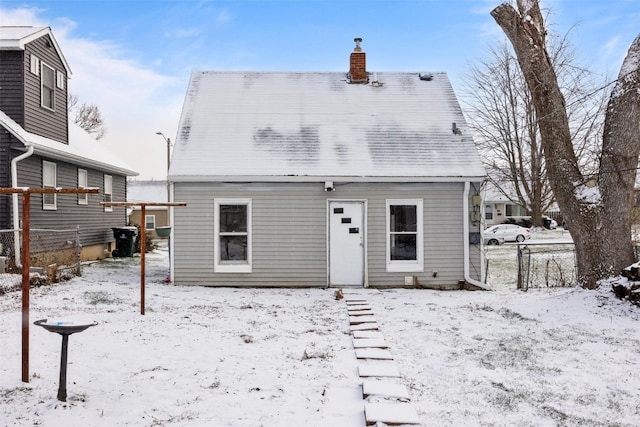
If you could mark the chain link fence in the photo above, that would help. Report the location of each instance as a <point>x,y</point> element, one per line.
<point>530,264</point>
<point>53,254</point>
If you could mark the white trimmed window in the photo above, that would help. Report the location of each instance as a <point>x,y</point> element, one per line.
<point>232,235</point>
<point>48,87</point>
<point>108,192</point>
<point>488,212</point>
<point>83,182</point>
<point>405,235</point>
<point>150,222</point>
<point>49,171</point>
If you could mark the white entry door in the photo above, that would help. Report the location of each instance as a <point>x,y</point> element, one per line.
<point>346,243</point>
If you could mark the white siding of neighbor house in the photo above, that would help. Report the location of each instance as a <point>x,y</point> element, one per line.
<point>289,233</point>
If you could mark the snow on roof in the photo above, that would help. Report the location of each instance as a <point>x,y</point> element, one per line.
<point>309,126</point>
<point>147,191</point>
<point>82,149</point>
<point>16,37</point>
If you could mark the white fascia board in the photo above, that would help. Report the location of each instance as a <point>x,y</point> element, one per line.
<point>19,44</point>
<point>81,161</point>
<point>397,179</point>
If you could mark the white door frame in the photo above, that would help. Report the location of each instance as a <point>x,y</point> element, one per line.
<point>363,202</point>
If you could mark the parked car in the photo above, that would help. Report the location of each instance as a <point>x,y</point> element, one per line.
<point>491,239</point>
<point>549,223</point>
<point>509,232</point>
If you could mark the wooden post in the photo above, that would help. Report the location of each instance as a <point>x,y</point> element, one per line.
<point>143,248</point>
<point>26,254</point>
<point>143,238</point>
<point>26,211</point>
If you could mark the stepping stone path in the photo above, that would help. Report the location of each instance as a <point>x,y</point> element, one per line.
<point>386,399</point>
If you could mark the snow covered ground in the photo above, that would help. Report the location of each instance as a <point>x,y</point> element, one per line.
<point>284,357</point>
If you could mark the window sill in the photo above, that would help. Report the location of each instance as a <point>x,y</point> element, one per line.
<point>232,268</point>
<point>405,268</point>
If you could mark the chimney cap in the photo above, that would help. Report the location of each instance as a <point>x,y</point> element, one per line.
<point>358,40</point>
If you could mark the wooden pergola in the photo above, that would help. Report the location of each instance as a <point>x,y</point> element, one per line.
<point>142,206</point>
<point>25,256</point>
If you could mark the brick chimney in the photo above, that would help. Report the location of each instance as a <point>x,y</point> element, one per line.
<point>358,64</point>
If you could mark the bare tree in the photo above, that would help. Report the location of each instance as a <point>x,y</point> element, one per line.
<point>505,123</point>
<point>87,116</point>
<point>597,207</point>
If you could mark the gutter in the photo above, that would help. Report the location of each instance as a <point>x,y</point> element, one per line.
<point>15,210</point>
<point>465,230</point>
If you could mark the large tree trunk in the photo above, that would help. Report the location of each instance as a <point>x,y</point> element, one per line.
<point>597,209</point>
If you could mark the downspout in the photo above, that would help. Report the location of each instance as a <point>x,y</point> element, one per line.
<point>465,228</point>
<point>15,210</point>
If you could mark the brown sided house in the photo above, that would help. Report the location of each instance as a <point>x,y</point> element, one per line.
<point>325,179</point>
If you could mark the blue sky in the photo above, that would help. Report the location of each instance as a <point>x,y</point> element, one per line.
<point>133,58</point>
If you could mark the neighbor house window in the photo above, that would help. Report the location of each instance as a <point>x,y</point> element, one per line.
<point>108,192</point>
<point>404,236</point>
<point>83,182</point>
<point>488,211</point>
<point>49,200</point>
<point>515,210</point>
<point>232,235</point>
<point>150,222</point>
<point>48,88</point>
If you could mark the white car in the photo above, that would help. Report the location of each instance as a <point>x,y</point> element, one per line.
<point>509,232</point>
<point>492,240</point>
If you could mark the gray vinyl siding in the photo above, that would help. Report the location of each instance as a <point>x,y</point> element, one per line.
<point>5,178</point>
<point>11,84</point>
<point>289,233</point>
<point>37,119</point>
<point>95,224</point>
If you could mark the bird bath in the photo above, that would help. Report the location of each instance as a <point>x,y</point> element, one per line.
<point>64,328</point>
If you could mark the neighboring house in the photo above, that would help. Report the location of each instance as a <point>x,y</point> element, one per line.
<point>148,191</point>
<point>499,205</point>
<point>41,147</point>
<point>325,179</point>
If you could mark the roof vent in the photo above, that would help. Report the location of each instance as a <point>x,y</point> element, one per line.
<point>426,76</point>
<point>376,82</point>
<point>455,129</point>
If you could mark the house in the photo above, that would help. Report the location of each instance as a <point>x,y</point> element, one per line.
<point>148,191</point>
<point>499,205</point>
<point>325,179</point>
<point>41,147</point>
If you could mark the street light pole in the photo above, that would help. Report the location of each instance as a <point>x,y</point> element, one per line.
<point>168,141</point>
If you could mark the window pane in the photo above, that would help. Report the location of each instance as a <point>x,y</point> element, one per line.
<point>233,218</point>
<point>403,247</point>
<point>48,84</point>
<point>233,248</point>
<point>403,218</point>
<point>47,76</point>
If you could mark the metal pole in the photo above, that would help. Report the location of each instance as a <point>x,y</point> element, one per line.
<point>62,387</point>
<point>143,249</point>
<point>26,229</point>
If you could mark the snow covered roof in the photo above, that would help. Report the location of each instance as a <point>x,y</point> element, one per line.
<point>147,191</point>
<point>82,149</point>
<point>307,126</point>
<point>16,38</point>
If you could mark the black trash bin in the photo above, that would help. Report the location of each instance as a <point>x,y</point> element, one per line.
<point>125,241</point>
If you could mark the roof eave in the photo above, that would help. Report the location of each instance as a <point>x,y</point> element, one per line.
<point>304,179</point>
<point>82,161</point>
